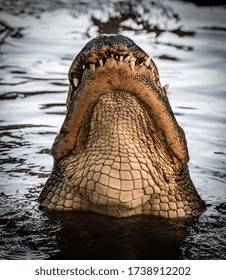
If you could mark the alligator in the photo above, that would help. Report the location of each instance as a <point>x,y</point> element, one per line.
<point>120,151</point>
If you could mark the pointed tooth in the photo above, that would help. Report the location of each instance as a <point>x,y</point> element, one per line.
<point>75,82</point>
<point>166,88</point>
<point>141,64</point>
<point>153,73</point>
<point>83,66</point>
<point>101,62</point>
<point>127,59</point>
<point>132,64</point>
<point>92,66</point>
<point>116,57</point>
<point>112,56</point>
<point>121,58</point>
<point>148,61</point>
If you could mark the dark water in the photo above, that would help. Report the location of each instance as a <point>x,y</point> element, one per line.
<point>38,40</point>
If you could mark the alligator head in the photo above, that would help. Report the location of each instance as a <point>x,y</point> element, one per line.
<point>120,151</point>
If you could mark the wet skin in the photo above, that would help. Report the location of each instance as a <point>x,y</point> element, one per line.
<point>120,151</point>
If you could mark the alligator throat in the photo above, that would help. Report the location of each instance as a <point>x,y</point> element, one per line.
<point>120,151</point>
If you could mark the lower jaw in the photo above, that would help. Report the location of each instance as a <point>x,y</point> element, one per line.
<point>118,211</point>
<point>121,212</point>
<point>127,209</point>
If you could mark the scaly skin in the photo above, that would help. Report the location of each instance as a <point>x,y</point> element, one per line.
<point>120,151</point>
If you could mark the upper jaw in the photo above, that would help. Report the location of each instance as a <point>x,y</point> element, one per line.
<point>117,49</point>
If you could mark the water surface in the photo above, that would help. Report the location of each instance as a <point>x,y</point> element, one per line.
<point>38,40</point>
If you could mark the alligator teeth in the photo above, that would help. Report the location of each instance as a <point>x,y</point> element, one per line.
<point>166,88</point>
<point>75,82</point>
<point>101,62</point>
<point>148,61</point>
<point>121,59</point>
<point>132,63</point>
<point>127,59</point>
<point>92,66</point>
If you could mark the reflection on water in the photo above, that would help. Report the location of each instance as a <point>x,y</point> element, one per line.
<point>187,42</point>
<point>132,238</point>
<point>28,233</point>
